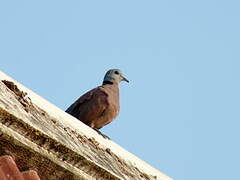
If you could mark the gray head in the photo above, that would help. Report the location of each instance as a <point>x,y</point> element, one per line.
<point>114,76</point>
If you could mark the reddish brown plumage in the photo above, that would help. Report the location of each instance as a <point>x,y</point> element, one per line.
<point>97,107</point>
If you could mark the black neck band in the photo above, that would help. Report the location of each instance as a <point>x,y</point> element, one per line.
<point>107,82</point>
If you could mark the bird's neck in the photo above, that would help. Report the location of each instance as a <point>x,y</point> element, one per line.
<point>107,82</point>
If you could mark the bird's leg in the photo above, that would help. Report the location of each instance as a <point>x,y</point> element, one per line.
<point>103,135</point>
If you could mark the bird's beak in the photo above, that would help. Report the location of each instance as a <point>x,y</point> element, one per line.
<point>125,79</point>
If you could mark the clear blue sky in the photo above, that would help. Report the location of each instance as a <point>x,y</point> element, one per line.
<point>181,110</point>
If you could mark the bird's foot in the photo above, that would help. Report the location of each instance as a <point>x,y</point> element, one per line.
<point>103,135</point>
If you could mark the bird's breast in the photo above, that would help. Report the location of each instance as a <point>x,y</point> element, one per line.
<point>113,106</point>
<point>112,109</point>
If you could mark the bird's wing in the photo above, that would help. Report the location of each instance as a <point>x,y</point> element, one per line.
<point>90,105</point>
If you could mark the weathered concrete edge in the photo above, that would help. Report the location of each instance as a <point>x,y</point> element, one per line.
<point>31,123</point>
<point>67,121</point>
<point>21,134</point>
<point>18,140</point>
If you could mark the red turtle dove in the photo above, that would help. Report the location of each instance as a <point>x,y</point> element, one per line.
<point>99,106</point>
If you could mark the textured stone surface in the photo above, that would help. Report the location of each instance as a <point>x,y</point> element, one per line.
<point>40,136</point>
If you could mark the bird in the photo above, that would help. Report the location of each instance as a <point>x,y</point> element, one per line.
<point>99,106</point>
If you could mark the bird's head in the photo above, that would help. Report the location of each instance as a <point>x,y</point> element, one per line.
<point>114,76</point>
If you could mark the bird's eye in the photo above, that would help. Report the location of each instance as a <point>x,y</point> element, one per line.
<point>116,72</point>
